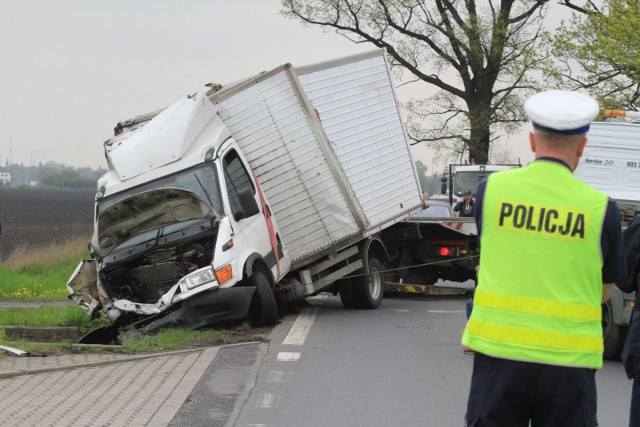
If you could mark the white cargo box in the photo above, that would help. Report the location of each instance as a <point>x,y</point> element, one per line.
<point>355,100</point>
<point>329,180</point>
<point>611,160</point>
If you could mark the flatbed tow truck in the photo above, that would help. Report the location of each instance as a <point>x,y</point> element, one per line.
<point>431,249</point>
<point>443,248</point>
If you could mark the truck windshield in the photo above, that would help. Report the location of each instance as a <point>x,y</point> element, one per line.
<point>468,180</point>
<point>201,180</point>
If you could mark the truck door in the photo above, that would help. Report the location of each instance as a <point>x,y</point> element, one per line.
<point>256,233</point>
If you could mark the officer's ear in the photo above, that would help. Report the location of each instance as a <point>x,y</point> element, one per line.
<point>532,142</point>
<point>580,147</point>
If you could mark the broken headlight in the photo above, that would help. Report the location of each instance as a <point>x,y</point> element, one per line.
<point>198,278</point>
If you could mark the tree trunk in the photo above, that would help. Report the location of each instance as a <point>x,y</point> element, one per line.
<point>480,133</point>
<point>479,150</point>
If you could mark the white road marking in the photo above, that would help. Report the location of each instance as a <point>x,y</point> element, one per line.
<point>301,327</point>
<point>399,310</point>
<point>279,377</point>
<point>285,356</point>
<point>267,400</point>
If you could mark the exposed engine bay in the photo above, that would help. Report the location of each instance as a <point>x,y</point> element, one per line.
<point>145,280</point>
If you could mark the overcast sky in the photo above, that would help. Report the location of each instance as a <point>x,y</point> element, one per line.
<point>71,70</point>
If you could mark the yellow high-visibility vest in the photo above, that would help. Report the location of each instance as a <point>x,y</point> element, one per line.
<point>539,289</point>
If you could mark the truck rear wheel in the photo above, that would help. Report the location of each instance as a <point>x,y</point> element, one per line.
<point>264,309</point>
<point>345,288</point>
<point>369,289</point>
<point>613,335</point>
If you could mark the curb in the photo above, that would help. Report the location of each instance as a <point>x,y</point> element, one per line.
<point>41,333</point>
<point>134,357</point>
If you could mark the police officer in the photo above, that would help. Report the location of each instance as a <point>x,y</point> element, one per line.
<point>466,206</point>
<point>550,253</point>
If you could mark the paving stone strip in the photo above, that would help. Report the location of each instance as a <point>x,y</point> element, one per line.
<point>99,389</point>
<point>11,366</point>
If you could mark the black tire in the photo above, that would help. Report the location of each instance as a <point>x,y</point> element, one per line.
<point>264,308</point>
<point>368,289</point>
<point>345,288</point>
<point>613,335</point>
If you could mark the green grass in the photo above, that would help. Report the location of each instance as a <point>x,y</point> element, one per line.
<point>41,273</point>
<point>167,340</point>
<point>36,283</point>
<point>172,339</point>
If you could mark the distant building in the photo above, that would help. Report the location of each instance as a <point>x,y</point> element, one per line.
<point>5,176</point>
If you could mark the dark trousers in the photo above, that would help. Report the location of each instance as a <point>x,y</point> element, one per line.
<point>634,416</point>
<point>507,393</point>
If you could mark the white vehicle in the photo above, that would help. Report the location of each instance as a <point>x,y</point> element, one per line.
<point>611,163</point>
<point>467,177</point>
<point>234,201</point>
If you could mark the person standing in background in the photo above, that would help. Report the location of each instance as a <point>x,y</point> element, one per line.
<point>466,207</point>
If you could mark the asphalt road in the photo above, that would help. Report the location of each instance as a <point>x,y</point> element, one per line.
<point>400,365</point>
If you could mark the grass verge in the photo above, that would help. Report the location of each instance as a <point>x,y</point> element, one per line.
<point>41,273</point>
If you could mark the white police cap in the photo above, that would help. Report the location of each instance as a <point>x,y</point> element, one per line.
<point>561,111</point>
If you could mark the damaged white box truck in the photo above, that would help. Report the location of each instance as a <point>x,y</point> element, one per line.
<point>233,202</point>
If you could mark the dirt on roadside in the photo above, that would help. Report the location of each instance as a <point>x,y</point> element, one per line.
<point>259,334</point>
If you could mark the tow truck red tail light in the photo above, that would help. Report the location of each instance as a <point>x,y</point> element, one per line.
<point>445,251</point>
<point>449,248</point>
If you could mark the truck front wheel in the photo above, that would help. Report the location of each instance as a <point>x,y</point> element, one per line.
<point>369,289</point>
<point>613,335</point>
<point>264,309</point>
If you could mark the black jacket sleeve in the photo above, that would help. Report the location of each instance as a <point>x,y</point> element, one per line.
<point>631,242</point>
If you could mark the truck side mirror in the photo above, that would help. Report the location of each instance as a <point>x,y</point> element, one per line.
<point>443,186</point>
<point>249,206</point>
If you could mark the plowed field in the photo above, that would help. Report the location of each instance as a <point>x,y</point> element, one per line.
<point>36,216</point>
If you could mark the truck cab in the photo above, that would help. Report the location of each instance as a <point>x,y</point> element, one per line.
<point>179,218</point>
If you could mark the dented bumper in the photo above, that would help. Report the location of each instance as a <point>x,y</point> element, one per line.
<point>203,309</point>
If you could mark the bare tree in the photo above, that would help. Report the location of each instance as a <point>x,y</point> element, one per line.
<point>477,54</point>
